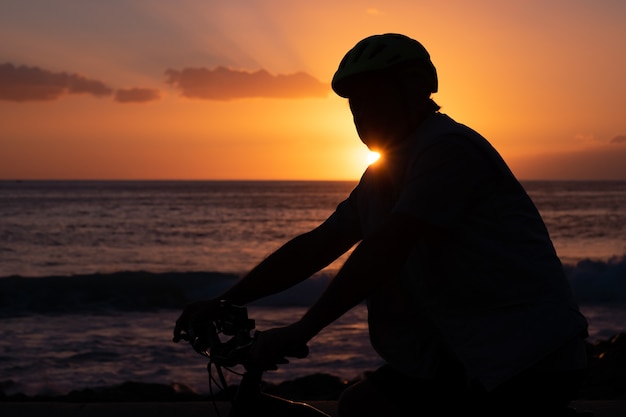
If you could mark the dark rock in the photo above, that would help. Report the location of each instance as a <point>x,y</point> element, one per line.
<point>316,387</point>
<point>126,392</point>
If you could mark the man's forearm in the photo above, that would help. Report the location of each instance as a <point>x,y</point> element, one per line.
<point>291,264</point>
<point>274,274</point>
<point>377,260</point>
<point>372,264</point>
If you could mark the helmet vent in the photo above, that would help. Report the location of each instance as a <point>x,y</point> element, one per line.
<point>376,51</point>
<point>357,54</point>
<point>394,58</point>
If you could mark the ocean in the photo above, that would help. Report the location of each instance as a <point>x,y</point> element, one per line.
<point>93,274</point>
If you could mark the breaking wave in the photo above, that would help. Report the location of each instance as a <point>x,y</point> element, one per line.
<point>593,282</point>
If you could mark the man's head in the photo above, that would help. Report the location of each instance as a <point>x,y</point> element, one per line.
<point>386,55</point>
<point>388,80</point>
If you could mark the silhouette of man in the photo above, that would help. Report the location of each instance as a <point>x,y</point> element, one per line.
<point>468,303</point>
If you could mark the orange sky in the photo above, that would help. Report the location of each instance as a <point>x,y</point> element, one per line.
<point>122,89</point>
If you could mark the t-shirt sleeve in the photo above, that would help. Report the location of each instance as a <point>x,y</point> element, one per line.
<point>345,218</point>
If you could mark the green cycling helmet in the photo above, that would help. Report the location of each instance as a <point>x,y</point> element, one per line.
<point>378,53</point>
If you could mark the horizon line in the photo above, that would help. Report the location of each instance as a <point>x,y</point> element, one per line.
<point>266,179</point>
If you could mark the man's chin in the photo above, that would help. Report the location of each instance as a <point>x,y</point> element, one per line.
<point>373,141</point>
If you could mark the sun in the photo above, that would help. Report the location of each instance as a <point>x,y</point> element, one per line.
<point>372,157</point>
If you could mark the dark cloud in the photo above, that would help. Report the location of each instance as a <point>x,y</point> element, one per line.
<point>35,84</point>
<point>619,139</point>
<point>136,95</point>
<point>226,84</point>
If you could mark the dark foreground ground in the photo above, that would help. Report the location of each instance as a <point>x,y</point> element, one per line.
<point>207,409</point>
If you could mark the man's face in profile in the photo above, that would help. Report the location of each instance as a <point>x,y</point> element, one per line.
<point>379,110</point>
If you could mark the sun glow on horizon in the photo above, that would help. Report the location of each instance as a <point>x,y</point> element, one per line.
<point>372,157</point>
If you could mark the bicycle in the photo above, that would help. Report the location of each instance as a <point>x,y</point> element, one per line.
<point>249,399</point>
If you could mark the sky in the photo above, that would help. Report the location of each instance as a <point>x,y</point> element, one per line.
<point>213,89</point>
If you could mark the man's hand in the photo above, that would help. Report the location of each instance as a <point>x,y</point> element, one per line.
<point>272,347</point>
<point>196,315</point>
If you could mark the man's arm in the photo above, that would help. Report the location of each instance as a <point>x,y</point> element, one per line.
<point>376,260</point>
<point>294,262</point>
<point>291,264</point>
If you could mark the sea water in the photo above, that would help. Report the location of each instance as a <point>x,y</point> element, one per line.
<point>94,273</point>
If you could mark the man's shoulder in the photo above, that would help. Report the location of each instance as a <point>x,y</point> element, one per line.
<point>440,124</point>
<point>443,130</point>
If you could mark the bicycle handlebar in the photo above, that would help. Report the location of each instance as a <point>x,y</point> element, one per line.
<point>232,320</point>
<point>249,400</point>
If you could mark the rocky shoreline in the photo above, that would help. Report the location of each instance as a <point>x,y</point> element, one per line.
<point>606,381</point>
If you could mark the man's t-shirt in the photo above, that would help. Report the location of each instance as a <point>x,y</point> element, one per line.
<point>492,293</point>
